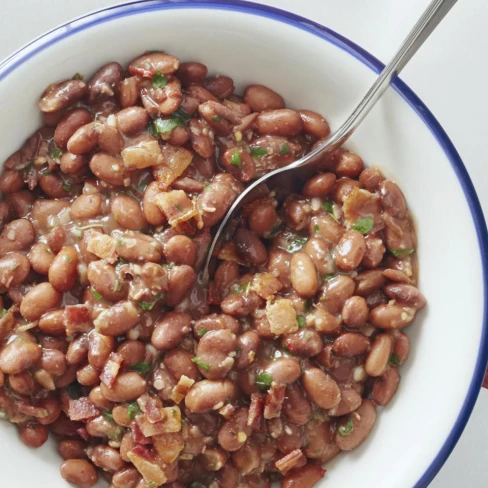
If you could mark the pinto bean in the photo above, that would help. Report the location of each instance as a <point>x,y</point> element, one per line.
<point>84,139</point>
<point>290,439</point>
<point>205,395</point>
<point>60,95</point>
<point>129,91</point>
<point>370,178</point>
<point>260,98</point>
<point>108,169</point>
<point>355,312</point>
<point>296,407</point>
<point>282,122</point>
<point>369,281</point>
<point>63,270</point>
<point>126,478</point>
<point>33,434</point>
<point>132,352</point>
<point>53,361</point>
<point>106,458</point>
<point>385,387</point>
<point>79,473</point>
<point>214,353</point>
<point>319,252</point>
<point>170,330</point>
<point>392,199</point>
<point>52,322</point>
<point>96,397</point>
<point>221,86</point>
<point>105,82</point>
<point>250,247</point>
<point>248,344</point>
<point>39,300</point>
<point>378,357</point>
<point>127,212</point>
<point>305,343</point>
<point>72,449</point>
<point>88,375</point>
<point>319,185</point>
<point>110,140</point>
<point>375,250</point>
<point>118,319</point>
<point>406,295</point>
<point>303,275</point>
<point>304,477</point>
<point>319,442</point>
<point>343,188</point>
<point>325,226</point>
<point>179,362</point>
<point>314,124</point>
<point>263,219</point>
<point>86,206</point>
<point>284,371</point>
<point>99,349</point>
<point>180,250</point>
<point>350,401</point>
<point>18,355</point>
<point>401,346</point>
<point>53,186</point>
<point>22,383</point>
<point>72,163</point>
<point>215,201</point>
<point>247,458</point>
<point>152,212</point>
<point>229,437</point>
<point>11,181</point>
<point>69,124</point>
<point>14,269</point>
<point>192,73</point>
<point>132,120</point>
<point>201,137</point>
<point>137,247</point>
<point>362,424</point>
<point>391,316</point>
<point>294,213</point>
<point>17,235</point>
<point>180,280</point>
<point>349,165</point>
<point>279,263</point>
<point>126,388</point>
<point>350,250</point>
<point>77,350</point>
<point>239,163</point>
<point>20,202</point>
<point>149,64</point>
<point>321,388</point>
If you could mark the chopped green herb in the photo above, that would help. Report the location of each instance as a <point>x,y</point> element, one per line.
<point>98,296</point>
<point>284,149</point>
<point>55,152</point>
<point>395,359</point>
<point>151,129</point>
<point>108,415</point>
<point>345,430</point>
<point>316,228</point>
<point>328,207</point>
<point>329,276</point>
<point>74,390</point>
<point>297,244</point>
<point>133,410</point>
<point>117,286</point>
<point>301,321</point>
<point>77,76</point>
<point>398,253</point>
<point>142,186</point>
<point>217,118</point>
<point>258,152</point>
<point>68,259</point>
<point>4,312</point>
<point>200,363</point>
<point>320,416</point>
<point>147,306</point>
<point>244,287</point>
<point>166,126</point>
<point>182,114</point>
<point>141,368</point>
<point>263,381</point>
<point>159,80</point>
<point>201,332</point>
<point>235,160</point>
<point>67,187</point>
<point>121,260</point>
<point>363,225</point>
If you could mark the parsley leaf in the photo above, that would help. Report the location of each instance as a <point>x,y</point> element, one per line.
<point>108,415</point>
<point>77,76</point>
<point>166,126</point>
<point>151,129</point>
<point>141,368</point>
<point>395,359</point>
<point>97,296</point>
<point>363,225</point>
<point>301,321</point>
<point>217,118</point>
<point>263,381</point>
<point>201,332</point>
<point>258,152</point>
<point>133,410</point>
<point>235,160</point>
<point>284,149</point>
<point>297,244</point>
<point>200,363</point>
<point>329,276</point>
<point>328,207</point>
<point>316,228</point>
<point>148,306</point>
<point>398,253</point>
<point>55,152</point>
<point>182,114</point>
<point>346,429</point>
<point>67,187</point>
<point>159,80</point>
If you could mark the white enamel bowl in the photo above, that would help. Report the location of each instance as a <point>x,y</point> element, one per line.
<point>313,68</point>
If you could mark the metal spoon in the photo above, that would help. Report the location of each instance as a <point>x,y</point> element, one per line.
<point>428,21</point>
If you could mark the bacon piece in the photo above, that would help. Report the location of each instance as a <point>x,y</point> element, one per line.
<point>171,422</point>
<point>256,409</point>
<point>227,411</point>
<point>82,409</point>
<point>77,318</point>
<point>111,369</point>
<point>150,408</point>
<point>145,462</point>
<point>294,459</point>
<point>176,206</point>
<point>169,446</point>
<point>102,246</point>
<point>30,410</point>
<point>274,401</point>
<point>138,436</point>
<point>176,160</point>
<point>266,285</point>
<point>182,388</point>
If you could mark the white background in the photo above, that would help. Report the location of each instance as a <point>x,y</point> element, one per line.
<point>449,74</point>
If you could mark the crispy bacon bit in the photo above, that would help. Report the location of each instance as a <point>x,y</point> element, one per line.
<point>282,316</point>
<point>228,252</point>
<point>30,410</point>
<point>45,379</point>
<point>256,409</point>
<point>143,155</point>
<point>274,401</point>
<point>182,388</point>
<point>176,160</point>
<point>103,246</point>
<point>171,422</point>
<point>169,446</point>
<point>150,408</point>
<point>82,409</point>
<point>137,434</point>
<point>145,462</point>
<point>111,368</point>
<point>294,459</point>
<point>266,285</point>
<point>176,206</point>
<point>360,204</point>
<point>77,318</point>
<point>227,411</point>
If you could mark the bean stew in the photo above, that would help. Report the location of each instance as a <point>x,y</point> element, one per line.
<point>109,341</point>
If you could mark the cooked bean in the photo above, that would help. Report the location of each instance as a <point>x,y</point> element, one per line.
<point>53,361</point>
<point>137,247</point>
<point>126,478</point>
<point>88,375</point>
<point>179,362</point>
<point>33,434</point>
<point>106,458</point>
<point>247,458</point>
<point>303,275</point>
<point>129,91</point>
<point>20,202</point>
<point>192,73</point>
<point>370,178</point>
<point>73,163</point>
<point>391,316</point>
<point>132,120</point>
<point>248,344</point>
<point>109,169</point>
<point>14,268</point>
<point>401,346</point>
<point>304,477</point>
<point>127,212</point>
<point>21,383</point>
<point>39,300</point>
<point>375,250</point>
<point>72,449</point>
<point>54,186</point>
<point>295,214</point>
<point>392,199</point>
<point>69,124</point>
<point>319,185</point>
<point>77,350</point>
<point>221,86</point>
<point>379,356</point>
<point>321,388</point>
<point>343,188</point>
<point>215,201</point>
<point>406,295</point>
<point>86,206</point>
<point>350,250</point>
<point>369,281</point>
<point>215,322</point>
<point>17,235</point>
<point>201,137</point>
<point>127,387</point>
<point>180,250</point>
<point>296,407</point>
<point>320,254</point>
<point>250,247</point>
<point>214,353</point>
<point>239,164</point>
<point>263,219</point>
<point>229,437</point>
<point>284,371</point>
<point>355,312</point>
<point>110,139</point>
<point>170,330</point>
<point>11,181</point>
<point>18,355</point>
<point>327,227</point>
<point>205,395</point>
<point>99,348</point>
<point>283,122</point>
<point>279,263</point>
<point>60,95</point>
<point>349,165</point>
<point>151,63</point>
<point>314,124</point>
<point>305,343</point>
<point>118,319</point>
<point>319,443</point>
<point>362,424</point>
<point>261,98</point>
<point>84,139</point>
<point>132,352</point>
<point>104,82</point>
<point>385,387</point>
<point>152,212</point>
<point>79,473</point>
<point>180,280</point>
<point>63,270</point>
<point>350,401</point>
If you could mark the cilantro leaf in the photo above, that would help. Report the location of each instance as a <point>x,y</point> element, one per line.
<point>133,410</point>
<point>166,126</point>
<point>258,152</point>
<point>398,253</point>
<point>263,381</point>
<point>96,295</point>
<point>395,359</point>
<point>148,306</point>
<point>346,429</point>
<point>301,321</point>
<point>159,80</point>
<point>200,363</point>
<point>235,160</point>
<point>284,149</point>
<point>328,207</point>
<point>141,368</point>
<point>363,225</point>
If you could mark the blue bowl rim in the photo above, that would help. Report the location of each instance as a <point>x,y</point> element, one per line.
<point>130,8</point>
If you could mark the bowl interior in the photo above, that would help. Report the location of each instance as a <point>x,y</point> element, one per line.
<point>315,74</point>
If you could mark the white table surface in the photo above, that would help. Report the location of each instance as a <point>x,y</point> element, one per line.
<point>449,74</point>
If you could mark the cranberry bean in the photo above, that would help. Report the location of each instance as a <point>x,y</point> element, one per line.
<point>72,163</point>
<point>77,350</point>
<point>304,477</point>
<point>248,344</point>
<point>192,73</point>
<point>110,140</point>
<point>86,206</point>
<point>325,226</point>
<point>284,371</point>
<point>79,473</point>
<point>137,247</point>
<point>244,168</point>
<point>14,269</point>
<point>369,281</point>
<point>180,280</point>
<point>303,275</point>
<point>321,388</point>
<point>201,138</point>
<point>296,407</point>
<point>17,235</point>
<point>72,449</point>
<point>215,201</point>
<point>22,383</point>
<point>99,349</point>
<point>127,212</point>
<point>234,432</point>
<point>319,443</point>
<point>263,219</point>
<point>350,401</point>
<point>279,263</point>
<point>319,185</point>
<point>109,169</point>
<point>106,458</point>
<point>261,98</point>
<point>170,330</point>
<point>343,188</point>
<point>53,361</point>
<point>319,252</point>
<point>11,181</point>
<point>378,357</point>
<point>149,64</point>
<point>214,353</point>
<point>392,199</point>
<point>33,434</point>
<point>375,250</point>
<point>283,122</point>
<point>401,346</point>
<point>221,86</point>
<point>355,312</point>
<point>179,362</point>
<point>132,352</point>
<point>406,295</point>
<point>362,424</point>
<point>152,212</point>
<point>20,202</point>
<point>118,319</point>
<point>88,376</point>
<point>60,95</point>
<point>385,387</point>
<point>250,247</point>
<point>129,91</point>
<point>64,269</point>
<point>350,250</point>
<point>84,139</point>
<point>39,300</point>
<point>216,322</point>
<point>206,395</point>
<point>97,398</point>
<point>294,213</point>
<point>180,250</point>
<point>69,124</point>
<point>391,316</point>
<point>127,387</point>
<point>105,82</point>
<point>370,178</point>
<point>305,343</point>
